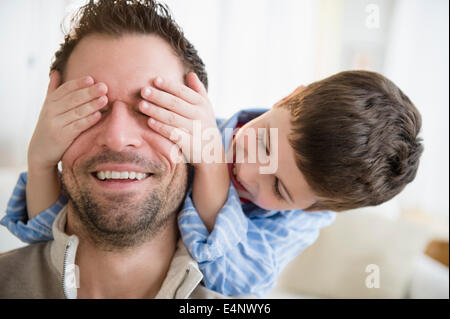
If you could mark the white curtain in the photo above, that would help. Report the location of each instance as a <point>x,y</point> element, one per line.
<point>255,51</point>
<point>29,36</point>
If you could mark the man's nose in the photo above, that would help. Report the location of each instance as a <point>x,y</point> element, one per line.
<point>120,129</point>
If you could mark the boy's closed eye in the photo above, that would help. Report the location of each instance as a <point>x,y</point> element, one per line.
<point>277,183</point>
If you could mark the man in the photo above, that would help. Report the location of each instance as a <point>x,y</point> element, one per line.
<point>123,237</point>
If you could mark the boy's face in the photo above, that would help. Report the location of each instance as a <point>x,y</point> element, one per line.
<point>287,187</point>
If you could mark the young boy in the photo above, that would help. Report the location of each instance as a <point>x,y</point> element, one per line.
<point>344,142</point>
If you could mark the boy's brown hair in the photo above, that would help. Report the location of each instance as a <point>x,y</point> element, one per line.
<point>354,135</point>
<point>120,17</point>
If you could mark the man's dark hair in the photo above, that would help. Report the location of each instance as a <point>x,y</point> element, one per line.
<point>355,138</point>
<point>119,17</point>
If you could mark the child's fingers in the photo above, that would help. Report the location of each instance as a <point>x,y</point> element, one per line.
<point>175,135</point>
<point>178,89</point>
<point>82,96</point>
<point>169,101</point>
<point>166,116</point>
<point>195,84</point>
<point>164,146</point>
<point>74,128</point>
<point>71,86</point>
<point>82,111</point>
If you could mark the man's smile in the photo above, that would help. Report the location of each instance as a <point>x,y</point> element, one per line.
<point>117,175</point>
<point>120,176</point>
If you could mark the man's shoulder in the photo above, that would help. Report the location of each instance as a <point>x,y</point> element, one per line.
<point>27,272</point>
<point>11,258</point>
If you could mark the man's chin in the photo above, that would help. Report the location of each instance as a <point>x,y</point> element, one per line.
<point>118,220</point>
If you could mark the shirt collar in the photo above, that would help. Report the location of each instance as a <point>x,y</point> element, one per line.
<point>183,275</point>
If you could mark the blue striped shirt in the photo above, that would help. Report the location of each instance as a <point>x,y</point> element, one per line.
<point>16,220</point>
<point>244,253</point>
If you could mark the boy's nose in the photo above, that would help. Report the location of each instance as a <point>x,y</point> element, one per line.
<point>120,129</point>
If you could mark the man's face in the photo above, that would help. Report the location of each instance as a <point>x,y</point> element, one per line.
<point>123,212</point>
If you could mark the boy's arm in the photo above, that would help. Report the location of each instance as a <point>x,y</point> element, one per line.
<point>43,189</point>
<point>210,191</point>
<point>16,220</point>
<point>69,109</point>
<point>232,262</point>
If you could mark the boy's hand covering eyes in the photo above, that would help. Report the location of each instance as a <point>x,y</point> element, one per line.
<point>177,112</point>
<point>68,110</point>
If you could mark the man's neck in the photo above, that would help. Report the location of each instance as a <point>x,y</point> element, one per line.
<point>137,272</point>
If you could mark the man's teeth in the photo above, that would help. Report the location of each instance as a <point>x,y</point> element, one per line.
<point>234,171</point>
<point>102,175</point>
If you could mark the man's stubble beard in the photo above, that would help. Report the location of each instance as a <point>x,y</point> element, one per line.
<point>122,224</point>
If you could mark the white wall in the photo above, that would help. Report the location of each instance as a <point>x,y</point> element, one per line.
<point>417,60</point>
<point>256,51</point>
<point>29,36</point>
